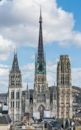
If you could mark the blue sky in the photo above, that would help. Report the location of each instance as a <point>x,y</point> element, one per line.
<point>19,29</point>
<point>74,7</point>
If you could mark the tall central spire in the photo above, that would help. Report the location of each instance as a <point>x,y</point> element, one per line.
<point>40,42</point>
<point>40,66</point>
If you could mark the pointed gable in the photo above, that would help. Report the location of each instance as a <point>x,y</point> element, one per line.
<point>15,65</point>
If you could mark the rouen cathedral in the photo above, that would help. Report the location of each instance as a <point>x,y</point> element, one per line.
<point>56,100</point>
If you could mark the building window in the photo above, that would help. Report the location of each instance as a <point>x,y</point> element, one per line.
<point>17,95</point>
<point>38,88</point>
<point>18,104</point>
<point>12,95</point>
<point>12,104</point>
<point>17,117</point>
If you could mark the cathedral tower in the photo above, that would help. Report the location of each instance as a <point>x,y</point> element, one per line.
<point>41,93</point>
<point>64,88</point>
<point>40,63</point>
<point>15,91</point>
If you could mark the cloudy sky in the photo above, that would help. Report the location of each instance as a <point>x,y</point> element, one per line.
<point>19,29</point>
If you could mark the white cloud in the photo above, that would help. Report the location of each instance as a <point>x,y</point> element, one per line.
<point>3,72</point>
<point>4,76</point>
<point>2,2</point>
<point>77,38</point>
<point>76,76</point>
<point>19,22</point>
<point>51,73</point>
<point>5,47</point>
<point>28,74</point>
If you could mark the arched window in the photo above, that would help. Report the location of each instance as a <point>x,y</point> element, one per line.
<point>41,110</point>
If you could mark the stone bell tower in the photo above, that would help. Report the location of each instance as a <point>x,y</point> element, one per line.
<point>64,88</point>
<point>15,91</point>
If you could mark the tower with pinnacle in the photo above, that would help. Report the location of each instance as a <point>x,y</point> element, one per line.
<point>40,64</point>
<point>64,88</point>
<point>41,97</point>
<point>15,91</point>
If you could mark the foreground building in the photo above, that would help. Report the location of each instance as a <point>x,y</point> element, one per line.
<point>64,88</point>
<point>15,91</point>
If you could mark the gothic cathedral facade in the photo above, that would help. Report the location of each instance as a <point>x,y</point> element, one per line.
<point>56,100</point>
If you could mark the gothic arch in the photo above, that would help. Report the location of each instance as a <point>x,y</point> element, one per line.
<point>41,109</point>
